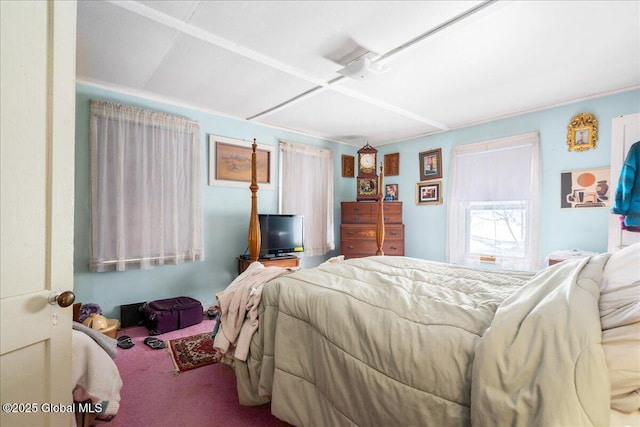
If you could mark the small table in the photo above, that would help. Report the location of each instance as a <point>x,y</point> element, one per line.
<point>280,261</point>
<point>559,256</point>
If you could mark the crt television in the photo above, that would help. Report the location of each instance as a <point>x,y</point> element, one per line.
<point>281,234</point>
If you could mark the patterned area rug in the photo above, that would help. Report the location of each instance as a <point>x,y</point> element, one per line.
<point>192,352</point>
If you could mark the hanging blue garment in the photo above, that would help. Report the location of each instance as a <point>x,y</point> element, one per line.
<point>627,200</point>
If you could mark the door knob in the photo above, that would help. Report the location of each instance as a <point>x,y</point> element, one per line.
<point>63,299</point>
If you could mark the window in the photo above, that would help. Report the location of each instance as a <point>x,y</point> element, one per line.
<point>496,229</point>
<point>493,206</point>
<point>306,188</point>
<point>145,188</point>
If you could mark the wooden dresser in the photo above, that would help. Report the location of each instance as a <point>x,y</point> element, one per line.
<point>358,229</point>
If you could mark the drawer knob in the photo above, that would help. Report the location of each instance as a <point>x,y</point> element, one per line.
<point>351,233</point>
<point>351,247</point>
<point>386,218</point>
<point>356,219</point>
<point>393,233</point>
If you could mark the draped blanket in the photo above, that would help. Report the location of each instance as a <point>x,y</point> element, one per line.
<point>541,362</point>
<point>237,308</point>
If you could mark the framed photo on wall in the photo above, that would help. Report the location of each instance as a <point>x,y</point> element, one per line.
<point>348,166</point>
<point>392,164</point>
<point>582,132</point>
<point>428,193</point>
<point>430,164</point>
<point>230,163</point>
<point>391,192</point>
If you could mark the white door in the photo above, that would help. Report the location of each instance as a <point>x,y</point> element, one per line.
<point>625,130</point>
<point>37,112</point>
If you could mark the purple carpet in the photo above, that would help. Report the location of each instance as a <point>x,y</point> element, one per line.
<point>153,394</point>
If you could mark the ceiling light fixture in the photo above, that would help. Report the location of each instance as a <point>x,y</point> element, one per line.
<point>363,67</point>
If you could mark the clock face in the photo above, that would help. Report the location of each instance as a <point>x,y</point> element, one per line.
<point>367,162</point>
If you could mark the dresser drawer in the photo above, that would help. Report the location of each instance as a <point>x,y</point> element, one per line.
<point>391,212</point>
<point>368,231</point>
<point>353,208</point>
<point>392,218</point>
<point>362,248</point>
<point>390,208</point>
<point>358,218</point>
<point>367,212</point>
<point>369,219</point>
<point>357,231</point>
<point>394,232</point>
<point>357,213</point>
<point>393,247</point>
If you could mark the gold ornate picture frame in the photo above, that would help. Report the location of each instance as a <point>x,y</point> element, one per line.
<point>582,132</point>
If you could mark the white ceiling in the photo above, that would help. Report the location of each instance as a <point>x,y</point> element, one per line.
<point>449,64</point>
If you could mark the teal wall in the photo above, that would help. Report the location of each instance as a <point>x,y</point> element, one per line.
<point>560,229</point>
<point>225,213</point>
<point>226,210</point>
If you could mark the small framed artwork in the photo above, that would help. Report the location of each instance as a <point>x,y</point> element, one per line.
<point>588,188</point>
<point>390,192</point>
<point>392,164</point>
<point>367,189</point>
<point>348,163</point>
<point>230,163</point>
<point>430,164</point>
<point>428,193</point>
<point>582,132</point>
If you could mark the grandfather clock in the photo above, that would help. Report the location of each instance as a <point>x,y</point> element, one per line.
<point>367,180</point>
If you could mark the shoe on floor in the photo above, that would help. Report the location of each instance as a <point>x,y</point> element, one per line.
<point>154,343</point>
<point>125,342</point>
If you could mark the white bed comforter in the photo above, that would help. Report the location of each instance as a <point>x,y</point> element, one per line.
<point>401,341</point>
<point>372,341</point>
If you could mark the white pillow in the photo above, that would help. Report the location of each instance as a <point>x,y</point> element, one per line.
<point>620,288</point>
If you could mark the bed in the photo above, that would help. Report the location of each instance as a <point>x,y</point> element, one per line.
<point>396,340</point>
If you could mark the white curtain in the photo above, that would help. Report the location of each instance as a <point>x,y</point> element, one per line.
<point>306,188</point>
<point>495,174</point>
<point>145,188</point>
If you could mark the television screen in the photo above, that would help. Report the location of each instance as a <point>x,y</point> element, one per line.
<point>281,234</point>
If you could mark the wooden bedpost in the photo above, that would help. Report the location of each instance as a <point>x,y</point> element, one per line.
<point>380,221</point>
<point>254,223</point>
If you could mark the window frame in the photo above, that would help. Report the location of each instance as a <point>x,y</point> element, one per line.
<point>464,194</point>
<point>497,205</point>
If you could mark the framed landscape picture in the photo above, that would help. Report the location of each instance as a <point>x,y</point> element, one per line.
<point>230,163</point>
